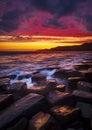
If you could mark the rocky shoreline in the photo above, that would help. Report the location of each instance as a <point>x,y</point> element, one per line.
<point>49,104</point>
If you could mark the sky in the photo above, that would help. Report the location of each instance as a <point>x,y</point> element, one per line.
<point>41,24</point>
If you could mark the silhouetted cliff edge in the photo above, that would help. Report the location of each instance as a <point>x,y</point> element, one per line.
<point>83,47</point>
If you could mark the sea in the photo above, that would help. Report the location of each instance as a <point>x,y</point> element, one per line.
<point>47,63</point>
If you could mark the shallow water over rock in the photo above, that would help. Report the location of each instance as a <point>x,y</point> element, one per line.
<point>24,66</point>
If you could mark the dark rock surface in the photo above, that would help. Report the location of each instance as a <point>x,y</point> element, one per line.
<point>83,96</point>
<point>20,125</point>
<point>30,104</point>
<point>18,89</point>
<point>51,84</point>
<point>72,82</point>
<point>39,78</point>
<point>84,86</point>
<point>4,83</point>
<point>82,66</point>
<point>66,114</point>
<point>59,74</point>
<point>72,73</point>
<point>18,86</point>
<point>87,74</point>
<point>60,87</point>
<point>62,98</point>
<point>5,100</point>
<point>41,121</point>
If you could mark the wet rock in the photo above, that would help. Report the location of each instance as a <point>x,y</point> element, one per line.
<point>60,87</point>
<point>4,82</point>
<point>51,84</point>
<point>27,106</point>
<point>82,66</point>
<point>72,82</point>
<point>41,121</point>
<point>91,118</point>
<point>62,98</point>
<point>39,90</point>
<point>44,90</point>
<point>21,77</point>
<point>20,125</point>
<point>87,61</point>
<point>66,114</point>
<point>5,100</point>
<point>39,78</point>
<point>59,74</point>
<point>24,76</point>
<point>85,109</point>
<point>28,76</point>
<point>72,73</point>
<point>18,89</point>
<point>84,86</point>
<point>18,86</point>
<point>82,96</point>
<point>12,76</point>
<point>87,74</point>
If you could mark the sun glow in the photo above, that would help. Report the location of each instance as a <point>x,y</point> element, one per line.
<point>39,42</point>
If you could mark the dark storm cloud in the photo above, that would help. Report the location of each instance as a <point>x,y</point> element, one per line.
<point>88,22</point>
<point>21,10</point>
<point>59,7</point>
<point>10,21</point>
<point>54,23</point>
<point>84,14</point>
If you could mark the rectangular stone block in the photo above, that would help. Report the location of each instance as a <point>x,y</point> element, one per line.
<point>20,125</point>
<point>5,100</point>
<point>4,81</point>
<point>83,96</point>
<point>66,114</point>
<point>84,86</point>
<point>85,109</point>
<point>62,98</point>
<point>87,74</point>
<point>91,118</point>
<point>60,87</point>
<point>72,82</point>
<point>41,121</point>
<point>27,106</point>
<point>43,90</point>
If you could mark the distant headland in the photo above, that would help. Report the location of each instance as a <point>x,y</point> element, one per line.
<point>83,47</point>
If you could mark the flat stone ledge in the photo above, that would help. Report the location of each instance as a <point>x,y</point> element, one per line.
<point>41,121</point>
<point>20,125</point>
<point>82,96</point>
<point>62,98</point>
<point>26,106</point>
<point>66,114</point>
<point>84,86</point>
<point>5,100</point>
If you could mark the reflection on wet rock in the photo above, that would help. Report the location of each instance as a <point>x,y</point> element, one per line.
<point>62,98</point>
<point>60,74</point>
<point>41,121</point>
<point>39,78</point>
<point>65,114</point>
<point>72,82</point>
<point>84,86</point>
<point>87,74</point>
<point>60,87</point>
<point>26,106</point>
<point>83,96</point>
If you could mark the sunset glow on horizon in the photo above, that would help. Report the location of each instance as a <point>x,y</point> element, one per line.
<point>44,24</point>
<point>26,43</point>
